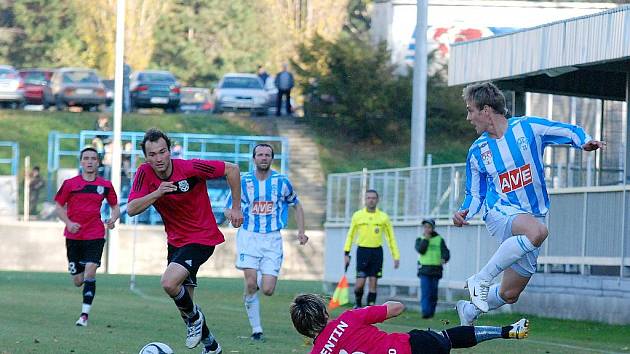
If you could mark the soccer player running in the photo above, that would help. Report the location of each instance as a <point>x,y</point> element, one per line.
<point>354,331</point>
<point>78,204</point>
<point>370,223</point>
<point>177,189</point>
<point>265,200</point>
<point>505,177</point>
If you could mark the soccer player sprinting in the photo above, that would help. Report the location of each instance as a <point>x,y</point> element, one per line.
<point>177,189</point>
<point>505,177</point>
<point>354,331</point>
<point>265,200</point>
<point>78,204</point>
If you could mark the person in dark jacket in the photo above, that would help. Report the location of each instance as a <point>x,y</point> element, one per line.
<point>433,254</point>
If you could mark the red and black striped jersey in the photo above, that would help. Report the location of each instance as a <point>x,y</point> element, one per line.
<point>186,213</point>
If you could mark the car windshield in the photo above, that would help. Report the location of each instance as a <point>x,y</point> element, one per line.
<point>7,74</point>
<point>159,77</point>
<point>35,78</point>
<point>196,96</point>
<point>80,77</point>
<point>241,82</point>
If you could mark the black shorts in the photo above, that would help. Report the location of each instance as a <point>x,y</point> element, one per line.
<point>80,252</point>
<point>428,342</point>
<point>369,262</point>
<point>191,257</point>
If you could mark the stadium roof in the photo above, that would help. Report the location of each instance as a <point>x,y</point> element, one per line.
<point>585,56</point>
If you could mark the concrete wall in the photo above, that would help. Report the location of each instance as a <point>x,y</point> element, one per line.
<point>40,246</point>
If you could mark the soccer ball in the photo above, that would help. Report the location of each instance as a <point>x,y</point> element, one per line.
<point>156,348</point>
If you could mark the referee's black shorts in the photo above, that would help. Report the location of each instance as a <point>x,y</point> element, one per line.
<point>369,262</point>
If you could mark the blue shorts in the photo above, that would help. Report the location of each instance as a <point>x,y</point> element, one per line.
<point>499,224</point>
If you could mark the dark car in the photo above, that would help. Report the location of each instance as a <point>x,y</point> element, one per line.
<point>196,99</point>
<point>151,89</point>
<point>37,90</point>
<point>78,87</point>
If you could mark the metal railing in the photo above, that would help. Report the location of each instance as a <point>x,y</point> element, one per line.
<point>436,191</point>
<point>9,156</point>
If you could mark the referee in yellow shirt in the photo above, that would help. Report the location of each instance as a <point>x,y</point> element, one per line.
<point>370,224</point>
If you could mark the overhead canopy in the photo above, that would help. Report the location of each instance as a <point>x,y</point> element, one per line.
<point>585,56</point>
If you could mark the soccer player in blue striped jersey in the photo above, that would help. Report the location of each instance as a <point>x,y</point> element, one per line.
<point>505,179</point>
<point>265,200</point>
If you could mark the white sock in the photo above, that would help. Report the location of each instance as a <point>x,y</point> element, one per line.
<point>494,299</point>
<point>510,251</point>
<point>252,306</point>
<point>86,308</point>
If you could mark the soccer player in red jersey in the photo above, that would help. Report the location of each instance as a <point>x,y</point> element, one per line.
<point>177,189</point>
<point>78,205</point>
<point>354,331</point>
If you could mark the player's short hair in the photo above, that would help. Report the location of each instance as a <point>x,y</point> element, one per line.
<point>262,145</point>
<point>485,94</point>
<point>154,135</point>
<point>309,314</point>
<point>372,191</point>
<point>88,148</point>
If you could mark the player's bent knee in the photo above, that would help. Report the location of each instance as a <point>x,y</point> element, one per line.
<point>510,296</point>
<point>268,292</point>
<point>170,287</point>
<point>538,235</point>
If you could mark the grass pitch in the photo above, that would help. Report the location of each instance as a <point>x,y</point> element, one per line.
<point>38,311</point>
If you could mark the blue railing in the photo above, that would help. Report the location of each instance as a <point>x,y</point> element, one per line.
<point>64,149</point>
<point>14,160</point>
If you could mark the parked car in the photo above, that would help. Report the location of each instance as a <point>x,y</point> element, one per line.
<point>37,90</point>
<point>237,92</point>
<point>11,87</point>
<point>78,87</point>
<point>196,99</point>
<point>109,91</point>
<point>153,88</point>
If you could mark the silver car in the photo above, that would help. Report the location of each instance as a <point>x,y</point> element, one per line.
<point>11,87</point>
<point>241,92</point>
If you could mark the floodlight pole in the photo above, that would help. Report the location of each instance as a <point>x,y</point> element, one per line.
<point>114,242</point>
<point>419,102</point>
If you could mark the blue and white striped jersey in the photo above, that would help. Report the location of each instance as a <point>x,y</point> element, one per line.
<point>265,203</point>
<point>509,171</point>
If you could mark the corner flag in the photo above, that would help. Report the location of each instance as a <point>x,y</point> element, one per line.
<point>341,295</point>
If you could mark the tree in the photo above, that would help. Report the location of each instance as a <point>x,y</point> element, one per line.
<point>201,40</point>
<point>45,34</point>
<point>353,90</point>
<point>97,29</point>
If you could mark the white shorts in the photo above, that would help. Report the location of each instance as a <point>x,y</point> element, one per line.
<point>499,224</point>
<point>262,252</point>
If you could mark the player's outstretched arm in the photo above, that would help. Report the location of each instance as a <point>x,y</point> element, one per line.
<point>233,176</point>
<point>299,220</point>
<point>394,308</point>
<point>593,145</point>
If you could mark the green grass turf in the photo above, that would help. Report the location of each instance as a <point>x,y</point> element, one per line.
<point>39,311</point>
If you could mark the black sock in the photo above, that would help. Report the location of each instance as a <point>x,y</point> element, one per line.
<point>184,303</point>
<point>461,336</point>
<point>505,332</point>
<point>358,297</point>
<point>371,300</point>
<point>89,290</point>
